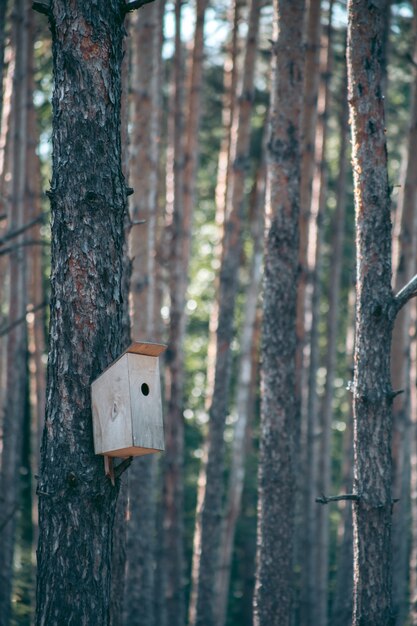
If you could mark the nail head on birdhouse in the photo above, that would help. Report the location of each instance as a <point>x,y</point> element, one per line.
<point>127,405</point>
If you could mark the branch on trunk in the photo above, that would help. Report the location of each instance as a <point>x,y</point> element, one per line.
<point>28,242</point>
<point>405,294</point>
<point>122,467</point>
<point>6,329</point>
<point>42,7</point>
<point>14,233</point>
<point>345,496</point>
<point>135,4</point>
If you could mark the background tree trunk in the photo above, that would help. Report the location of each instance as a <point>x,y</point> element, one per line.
<point>17,338</point>
<point>372,392</point>
<point>145,117</point>
<point>273,596</point>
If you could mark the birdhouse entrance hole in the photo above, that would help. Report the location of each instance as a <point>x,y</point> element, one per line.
<point>145,389</point>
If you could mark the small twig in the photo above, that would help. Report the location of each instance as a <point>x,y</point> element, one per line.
<point>137,222</point>
<point>136,4</point>
<point>28,242</point>
<point>6,329</point>
<point>9,517</point>
<point>122,467</point>
<point>346,496</point>
<point>405,294</point>
<point>42,7</point>
<point>14,233</point>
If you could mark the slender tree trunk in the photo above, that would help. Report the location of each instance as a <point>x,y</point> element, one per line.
<point>405,267</point>
<point>376,310</point>
<point>243,404</point>
<point>17,338</point>
<point>209,517</point>
<point>173,495</point>
<point>342,605</point>
<point>338,231</point>
<point>413,490</point>
<point>88,311</point>
<point>274,589</point>
<point>322,462</point>
<point>230,80</point>
<point>144,172</point>
<point>3,12</point>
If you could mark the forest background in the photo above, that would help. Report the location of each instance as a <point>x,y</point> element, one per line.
<point>196,102</point>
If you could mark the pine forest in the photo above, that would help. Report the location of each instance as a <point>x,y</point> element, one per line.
<point>208,322</point>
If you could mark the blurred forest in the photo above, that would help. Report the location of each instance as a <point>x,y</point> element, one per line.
<point>195,116</point>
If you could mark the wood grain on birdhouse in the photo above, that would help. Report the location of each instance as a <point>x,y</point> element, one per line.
<point>127,404</point>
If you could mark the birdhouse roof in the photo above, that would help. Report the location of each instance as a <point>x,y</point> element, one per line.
<point>148,349</point>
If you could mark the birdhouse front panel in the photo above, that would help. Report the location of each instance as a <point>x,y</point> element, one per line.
<point>127,404</point>
<point>112,421</point>
<point>146,404</point>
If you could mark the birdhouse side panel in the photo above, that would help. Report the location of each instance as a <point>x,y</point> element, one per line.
<point>146,403</point>
<point>112,421</point>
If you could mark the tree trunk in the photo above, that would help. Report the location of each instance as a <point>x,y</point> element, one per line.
<point>173,494</point>
<point>16,390</point>
<point>3,12</point>
<point>376,309</point>
<point>243,395</point>
<point>209,516</point>
<point>274,588</point>
<point>405,236</point>
<point>320,467</point>
<point>413,490</point>
<point>144,172</point>
<point>230,80</point>
<point>88,203</point>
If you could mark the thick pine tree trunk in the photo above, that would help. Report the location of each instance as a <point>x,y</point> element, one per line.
<point>274,588</point>
<point>376,310</point>
<point>208,523</point>
<point>88,202</point>
<point>16,390</point>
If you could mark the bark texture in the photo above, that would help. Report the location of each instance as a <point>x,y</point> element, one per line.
<point>372,392</point>
<point>274,588</point>
<point>88,203</point>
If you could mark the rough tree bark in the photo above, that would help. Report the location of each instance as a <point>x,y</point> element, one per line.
<point>274,589</point>
<point>88,311</point>
<point>208,522</point>
<point>376,311</point>
<point>145,117</point>
<point>15,402</point>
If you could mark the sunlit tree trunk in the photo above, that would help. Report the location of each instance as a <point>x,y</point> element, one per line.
<point>376,310</point>
<point>274,583</point>
<point>88,311</point>
<point>15,404</point>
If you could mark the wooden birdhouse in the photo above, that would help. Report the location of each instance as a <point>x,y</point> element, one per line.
<point>127,405</point>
